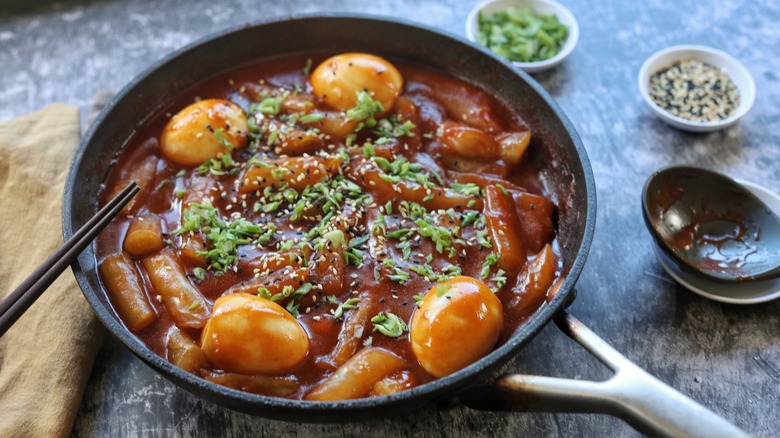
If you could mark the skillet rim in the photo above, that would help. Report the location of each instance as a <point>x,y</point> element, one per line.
<point>301,410</point>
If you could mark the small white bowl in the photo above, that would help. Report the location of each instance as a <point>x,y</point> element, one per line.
<point>733,68</point>
<point>548,7</point>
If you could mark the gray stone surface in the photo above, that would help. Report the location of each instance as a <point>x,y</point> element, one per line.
<point>727,357</point>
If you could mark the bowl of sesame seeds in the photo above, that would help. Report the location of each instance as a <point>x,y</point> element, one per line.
<point>696,88</point>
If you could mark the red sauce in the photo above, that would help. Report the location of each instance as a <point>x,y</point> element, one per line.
<point>434,99</point>
<point>709,237</point>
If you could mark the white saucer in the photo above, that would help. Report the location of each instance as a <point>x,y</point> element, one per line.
<point>747,293</point>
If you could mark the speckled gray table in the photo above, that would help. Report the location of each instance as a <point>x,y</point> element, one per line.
<point>727,357</point>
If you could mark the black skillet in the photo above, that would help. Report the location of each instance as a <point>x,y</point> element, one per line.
<point>556,149</point>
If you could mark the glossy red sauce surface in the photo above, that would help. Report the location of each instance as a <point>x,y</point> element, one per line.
<point>436,100</point>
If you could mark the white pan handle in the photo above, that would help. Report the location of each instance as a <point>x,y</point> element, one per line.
<point>649,405</point>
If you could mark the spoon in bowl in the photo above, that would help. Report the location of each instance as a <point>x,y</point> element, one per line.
<point>712,226</point>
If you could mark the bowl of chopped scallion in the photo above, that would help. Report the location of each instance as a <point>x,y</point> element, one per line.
<point>534,34</point>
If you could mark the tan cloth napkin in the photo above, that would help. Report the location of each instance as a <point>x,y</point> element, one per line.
<point>46,357</point>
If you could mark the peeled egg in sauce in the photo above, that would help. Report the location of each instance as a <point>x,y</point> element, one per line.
<point>338,80</point>
<point>458,322</point>
<point>250,334</point>
<point>192,136</point>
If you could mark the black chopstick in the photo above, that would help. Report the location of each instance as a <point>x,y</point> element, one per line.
<point>23,296</point>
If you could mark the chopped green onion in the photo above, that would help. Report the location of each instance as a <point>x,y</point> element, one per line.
<point>468,189</point>
<point>270,105</point>
<point>343,153</point>
<point>391,128</point>
<point>353,256</point>
<point>399,234</point>
<point>368,150</point>
<point>349,304</point>
<point>311,118</point>
<point>287,245</point>
<point>223,237</point>
<point>272,137</point>
<point>469,217</point>
<point>219,133</point>
<point>499,279</point>
<point>400,276</point>
<point>441,236</point>
<point>389,324</point>
<point>482,239</point>
<point>272,206</point>
<point>290,195</point>
<point>294,297</point>
<point>442,289</point>
<point>491,260</point>
<point>358,241</point>
<point>335,237</point>
<point>264,292</point>
<point>365,108</point>
<point>522,35</point>
<point>216,166</point>
<point>199,273</point>
<point>425,270</point>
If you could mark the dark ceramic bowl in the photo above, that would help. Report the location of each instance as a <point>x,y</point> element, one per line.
<point>556,150</point>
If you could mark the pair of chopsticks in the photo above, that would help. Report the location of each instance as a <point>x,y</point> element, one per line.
<point>23,296</point>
